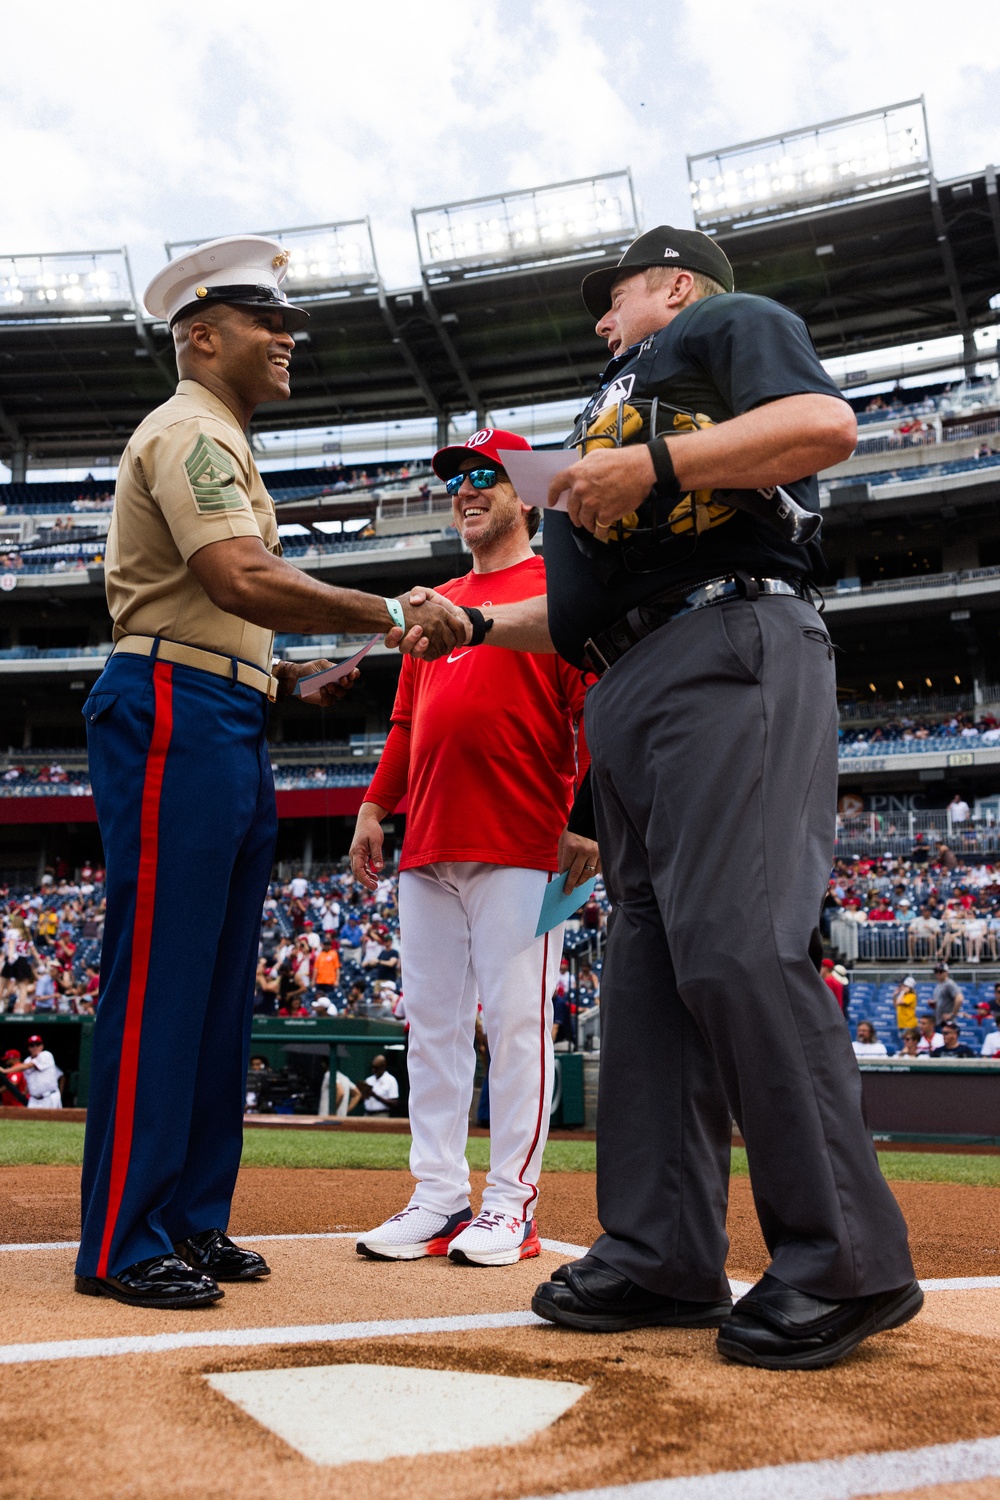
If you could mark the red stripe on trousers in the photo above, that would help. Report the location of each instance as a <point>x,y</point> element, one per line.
<point>142,938</point>
<point>541,1092</point>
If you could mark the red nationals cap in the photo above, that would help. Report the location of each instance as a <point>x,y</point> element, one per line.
<point>488,441</point>
<point>32,1039</point>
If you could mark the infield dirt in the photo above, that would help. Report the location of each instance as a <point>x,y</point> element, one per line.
<point>659,1403</point>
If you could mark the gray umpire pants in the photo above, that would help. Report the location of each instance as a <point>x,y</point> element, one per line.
<point>715,771</point>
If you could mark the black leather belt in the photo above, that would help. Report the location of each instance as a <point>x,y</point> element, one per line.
<point>608,646</point>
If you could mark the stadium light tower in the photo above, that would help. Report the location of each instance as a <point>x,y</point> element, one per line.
<point>83,284</point>
<point>882,150</point>
<point>564,220</point>
<point>326,259</point>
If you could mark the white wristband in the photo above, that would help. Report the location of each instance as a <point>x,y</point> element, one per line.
<point>396,611</point>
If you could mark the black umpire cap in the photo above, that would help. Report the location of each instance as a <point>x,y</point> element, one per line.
<point>680,249</point>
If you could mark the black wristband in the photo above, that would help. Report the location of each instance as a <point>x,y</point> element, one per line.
<point>666,479</point>
<point>481,626</point>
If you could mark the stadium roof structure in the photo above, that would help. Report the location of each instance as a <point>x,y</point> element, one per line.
<point>875,255</point>
<point>846,224</point>
<point>497,321</point>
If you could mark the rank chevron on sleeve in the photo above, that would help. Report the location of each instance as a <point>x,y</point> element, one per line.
<point>211,476</point>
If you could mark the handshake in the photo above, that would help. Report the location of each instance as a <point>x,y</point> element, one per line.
<point>434,625</point>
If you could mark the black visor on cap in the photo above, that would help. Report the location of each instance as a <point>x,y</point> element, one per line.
<point>248,296</point>
<point>678,249</point>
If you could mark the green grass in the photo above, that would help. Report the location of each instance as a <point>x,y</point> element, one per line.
<point>47,1144</point>
<point>52,1143</point>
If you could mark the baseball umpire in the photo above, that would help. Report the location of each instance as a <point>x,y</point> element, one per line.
<point>182,781</point>
<point>682,575</point>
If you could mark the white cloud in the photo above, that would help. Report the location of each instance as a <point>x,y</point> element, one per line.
<point>774,64</point>
<point>206,120</point>
<point>132,124</point>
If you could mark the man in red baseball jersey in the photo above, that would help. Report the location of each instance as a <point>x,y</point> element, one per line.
<point>483,746</point>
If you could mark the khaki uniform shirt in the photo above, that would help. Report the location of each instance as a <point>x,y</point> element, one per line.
<point>187,478</point>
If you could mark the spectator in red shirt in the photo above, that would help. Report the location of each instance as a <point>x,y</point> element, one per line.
<point>830,979</point>
<point>13,1088</point>
<point>64,948</point>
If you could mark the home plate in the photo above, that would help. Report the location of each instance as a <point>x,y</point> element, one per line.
<point>342,1414</point>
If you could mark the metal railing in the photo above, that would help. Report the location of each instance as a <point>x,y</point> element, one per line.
<point>437,503</point>
<point>875,942</point>
<point>934,744</point>
<point>881,833</point>
<point>925,434</point>
<point>913,581</point>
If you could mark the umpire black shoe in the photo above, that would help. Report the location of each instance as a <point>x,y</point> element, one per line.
<point>160,1281</point>
<point>213,1253</point>
<point>591,1296</point>
<point>778,1328</point>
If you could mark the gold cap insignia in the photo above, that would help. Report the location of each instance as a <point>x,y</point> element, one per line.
<point>201,291</point>
<point>281,259</point>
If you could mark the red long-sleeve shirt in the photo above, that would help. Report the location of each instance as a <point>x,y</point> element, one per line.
<point>482,742</point>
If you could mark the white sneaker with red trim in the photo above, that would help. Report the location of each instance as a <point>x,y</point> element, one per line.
<point>495,1239</point>
<point>413,1233</point>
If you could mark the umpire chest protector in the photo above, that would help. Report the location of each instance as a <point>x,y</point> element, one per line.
<point>719,358</point>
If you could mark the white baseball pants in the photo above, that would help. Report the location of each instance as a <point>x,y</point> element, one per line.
<point>467,933</point>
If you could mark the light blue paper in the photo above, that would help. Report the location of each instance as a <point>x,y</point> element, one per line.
<point>557,905</point>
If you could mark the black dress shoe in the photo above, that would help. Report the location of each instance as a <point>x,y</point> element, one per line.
<point>161,1281</point>
<point>214,1253</point>
<point>778,1328</point>
<point>591,1296</point>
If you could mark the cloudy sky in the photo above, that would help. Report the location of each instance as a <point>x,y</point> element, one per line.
<point>135,123</point>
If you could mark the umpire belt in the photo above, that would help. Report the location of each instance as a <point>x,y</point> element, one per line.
<point>608,646</point>
<point>202,661</point>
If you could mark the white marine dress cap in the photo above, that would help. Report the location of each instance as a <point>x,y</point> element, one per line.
<point>244,271</point>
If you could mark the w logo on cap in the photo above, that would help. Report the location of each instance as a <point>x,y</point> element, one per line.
<point>479,438</point>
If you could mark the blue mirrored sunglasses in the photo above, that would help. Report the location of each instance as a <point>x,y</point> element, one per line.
<point>480,479</point>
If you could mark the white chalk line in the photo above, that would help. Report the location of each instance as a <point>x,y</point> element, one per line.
<point>826,1479</point>
<point>823,1479</point>
<point>298,1333</point>
<point>556,1247</point>
<point>307,1333</point>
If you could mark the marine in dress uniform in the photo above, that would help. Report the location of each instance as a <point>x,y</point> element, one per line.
<point>712,735</point>
<point>182,782</point>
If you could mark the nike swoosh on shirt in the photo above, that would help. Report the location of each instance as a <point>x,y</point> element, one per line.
<point>457,655</point>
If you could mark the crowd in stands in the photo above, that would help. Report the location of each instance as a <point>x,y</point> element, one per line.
<point>348,773</point>
<point>47,780</point>
<point>943,909</point>
<point>51,943</point>
<point>56,781</point>
<point>68,497</point>
<point>87,554</point>
<point>920,1019</point>
<point>328,947</point>
<point>984,728</point>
